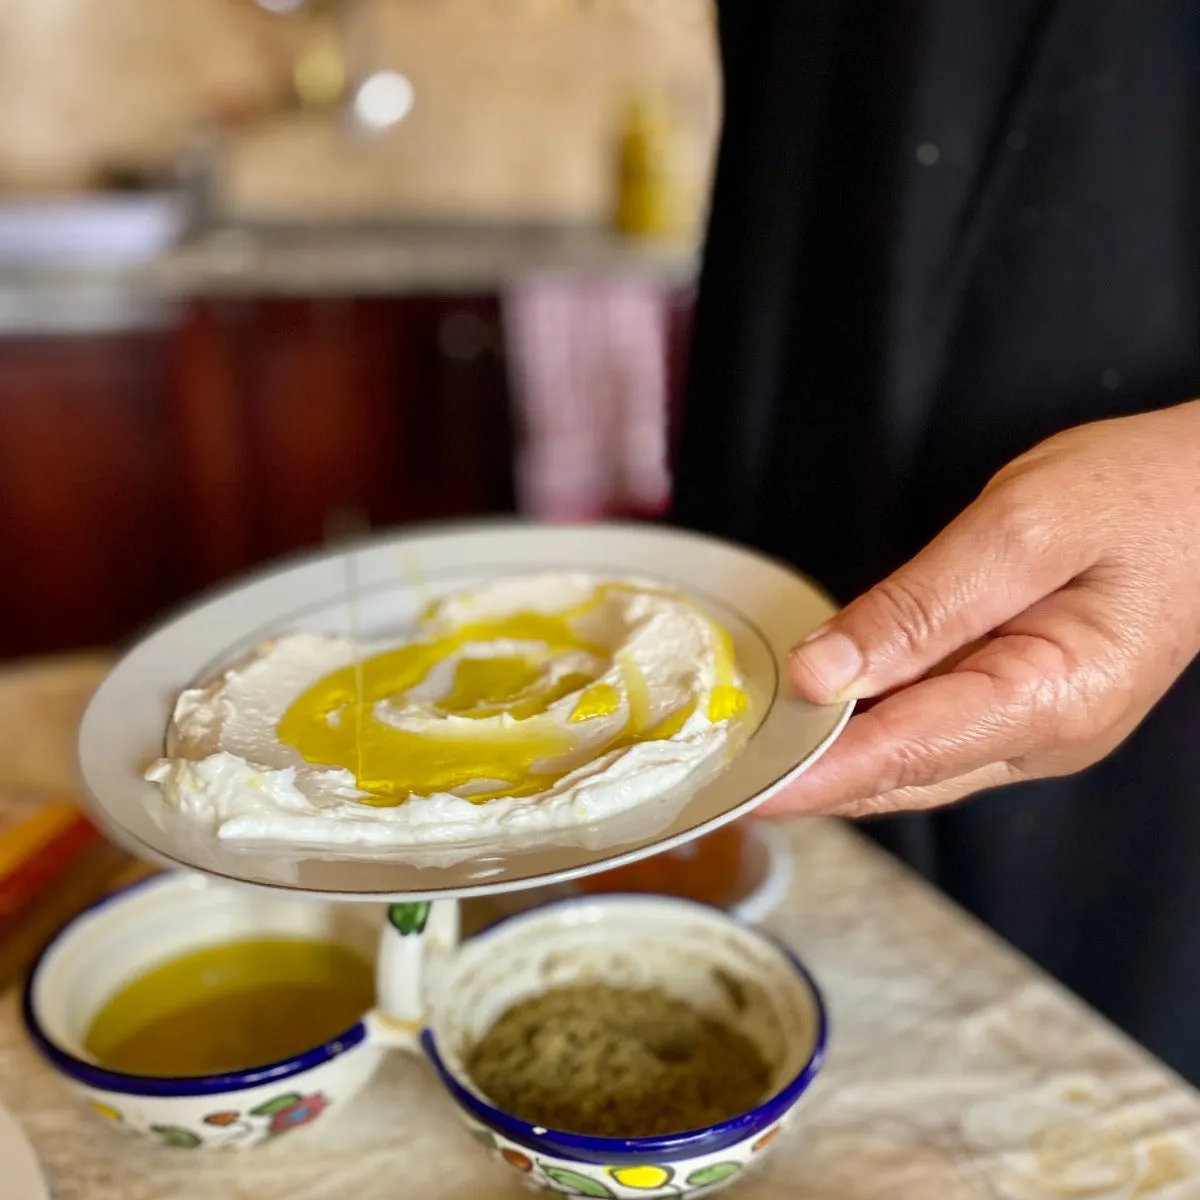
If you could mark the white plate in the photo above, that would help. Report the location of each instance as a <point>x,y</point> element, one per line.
<point>765,606</point>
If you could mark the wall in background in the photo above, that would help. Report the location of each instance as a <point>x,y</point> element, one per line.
<point>515,111</point>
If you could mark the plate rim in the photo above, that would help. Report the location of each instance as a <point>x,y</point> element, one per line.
<point>452,528</point>
<point>309,556</point>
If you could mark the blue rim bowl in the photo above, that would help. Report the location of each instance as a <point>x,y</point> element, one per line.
<point>102,1079</point>
<point>692,1143</point>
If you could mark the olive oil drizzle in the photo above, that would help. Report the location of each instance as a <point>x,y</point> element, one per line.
<point>490,734</point>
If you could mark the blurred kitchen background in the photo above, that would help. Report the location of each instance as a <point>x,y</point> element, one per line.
<point>272,270</point>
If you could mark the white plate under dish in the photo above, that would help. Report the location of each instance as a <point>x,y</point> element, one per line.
<point>765,606</point>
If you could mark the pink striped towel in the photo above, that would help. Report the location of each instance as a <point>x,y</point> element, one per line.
<point>588,370</point>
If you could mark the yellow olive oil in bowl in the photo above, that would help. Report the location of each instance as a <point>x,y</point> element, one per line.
<point>232,1006</point>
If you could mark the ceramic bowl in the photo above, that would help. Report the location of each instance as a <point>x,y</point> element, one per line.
<point>689,950</point>
<point>126,933</point>
<point>440,998</point>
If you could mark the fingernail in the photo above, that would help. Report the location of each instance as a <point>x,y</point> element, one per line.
<point>832,660</point>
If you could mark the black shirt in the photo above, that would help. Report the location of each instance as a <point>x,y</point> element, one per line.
<point>940,233</point>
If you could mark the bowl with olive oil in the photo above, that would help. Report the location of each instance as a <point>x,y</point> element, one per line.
<point>630,1046</point>
<point>209,1016</point>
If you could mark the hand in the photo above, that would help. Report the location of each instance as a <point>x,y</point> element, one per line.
<point>1029,638</point>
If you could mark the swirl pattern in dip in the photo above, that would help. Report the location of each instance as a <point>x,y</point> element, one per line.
<point>536,703</point>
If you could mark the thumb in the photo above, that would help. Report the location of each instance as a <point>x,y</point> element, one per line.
<point>992,562</point>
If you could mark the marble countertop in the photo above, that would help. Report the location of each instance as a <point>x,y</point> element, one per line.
<point>957,1070</point>
<point>90,294</point>
<point>401,259</point>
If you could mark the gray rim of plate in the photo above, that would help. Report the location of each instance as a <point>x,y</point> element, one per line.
<point>766,605</point>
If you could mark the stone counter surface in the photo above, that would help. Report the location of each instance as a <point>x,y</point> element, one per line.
<point>98,296</point>
<point>382,261</point>
<point>957,1071</point>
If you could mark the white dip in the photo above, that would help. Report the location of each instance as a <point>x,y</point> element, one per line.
<point>653,689</point>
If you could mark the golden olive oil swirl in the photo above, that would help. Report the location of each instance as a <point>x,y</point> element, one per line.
<point>334,723</point>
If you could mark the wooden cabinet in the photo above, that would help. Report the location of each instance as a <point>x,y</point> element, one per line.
<point>283,414</point>
<point>138,469</point>
<point>85,529</point>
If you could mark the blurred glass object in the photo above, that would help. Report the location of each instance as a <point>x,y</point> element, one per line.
<point>383,99</point>
<point>650,199</point>
<point>90,230</point>
<point>722,869</point>
<point>320,71</point>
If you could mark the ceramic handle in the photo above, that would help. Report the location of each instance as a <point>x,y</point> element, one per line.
<point>417,942</point>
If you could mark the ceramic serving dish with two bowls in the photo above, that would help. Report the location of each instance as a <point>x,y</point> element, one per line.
<point>438,997</point>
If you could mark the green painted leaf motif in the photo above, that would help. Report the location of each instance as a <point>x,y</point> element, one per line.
<point>577,1185</point>
<point>173,1135</point>
<point>270,1107</point>
<point>713,1173</point>
<point>484,1138</point>
<point>409,918</point>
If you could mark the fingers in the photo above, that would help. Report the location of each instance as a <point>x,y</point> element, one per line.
<point>936,795</point>
<point>1002,555</point>
<point>932,733</point>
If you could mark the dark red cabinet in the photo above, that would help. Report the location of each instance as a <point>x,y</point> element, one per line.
<point>85,527</point>
<point>137,469</point>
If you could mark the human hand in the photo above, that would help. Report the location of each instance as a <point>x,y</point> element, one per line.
<point>1029,638</point>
